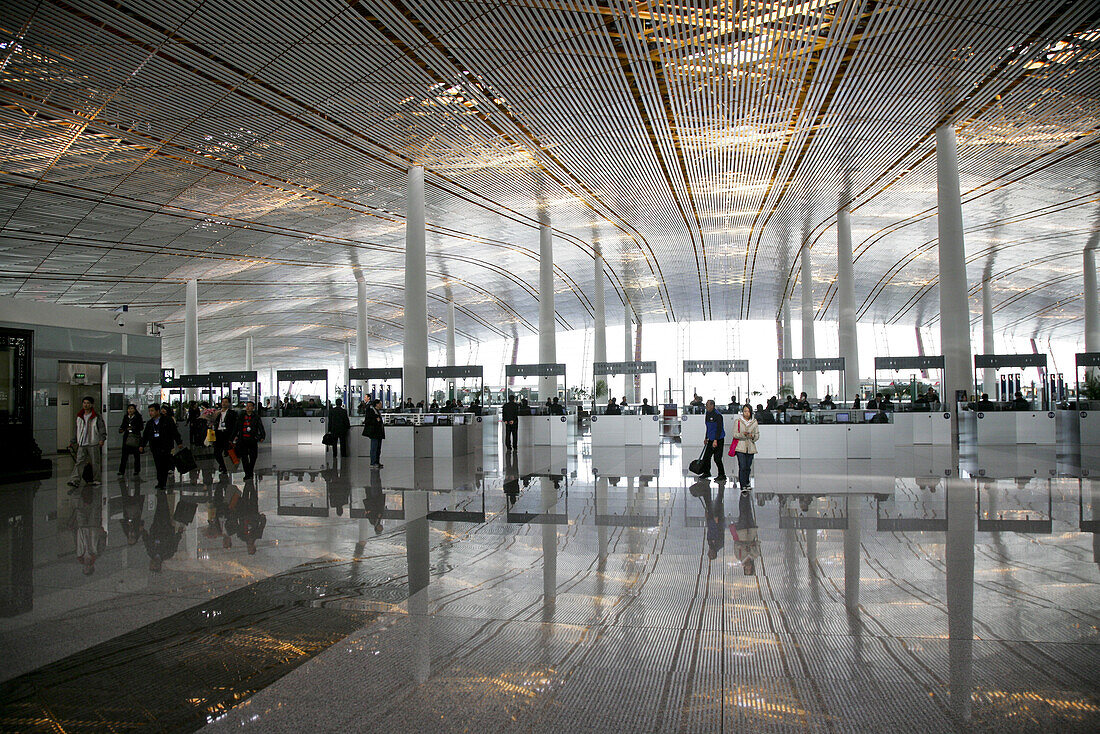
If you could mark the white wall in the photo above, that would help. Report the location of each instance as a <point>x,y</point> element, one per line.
<point>38,313</point>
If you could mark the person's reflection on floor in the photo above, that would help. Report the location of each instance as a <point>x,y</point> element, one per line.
<point>714,515</point>
<point>132,506</point>
<point>375,501</point>
<point>746,540</point>
<point>337,487</point>
<point>511,479</point>
<point>217,522</point>
<point>86,522</point>
<point>252,522</point>
<point>162,539</point>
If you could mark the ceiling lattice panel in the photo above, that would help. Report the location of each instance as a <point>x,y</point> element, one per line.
<point>261,147</point>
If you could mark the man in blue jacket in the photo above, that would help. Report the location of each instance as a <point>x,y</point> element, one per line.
<point>716,434</point>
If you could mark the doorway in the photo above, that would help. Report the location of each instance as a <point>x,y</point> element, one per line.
<point>74,381</point>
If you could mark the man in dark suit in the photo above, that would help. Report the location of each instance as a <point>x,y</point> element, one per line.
<point>160,436</point>
<point>225,426</point>
<point>339,425</point>
<point>510,415</point>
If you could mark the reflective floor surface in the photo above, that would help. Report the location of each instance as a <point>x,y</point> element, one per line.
<point>564,589</point>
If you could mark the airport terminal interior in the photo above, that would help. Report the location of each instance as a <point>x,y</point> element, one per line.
<point>535,366</point>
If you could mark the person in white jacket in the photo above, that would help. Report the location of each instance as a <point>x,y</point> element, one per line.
<point>746,432</point>
<point>88,438</point>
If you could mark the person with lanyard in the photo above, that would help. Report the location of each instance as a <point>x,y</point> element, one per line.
<point>225,426</point>
<point>160,435</point>
<point>131,429</point>
<point>716,434</point>
<point>250,432</point>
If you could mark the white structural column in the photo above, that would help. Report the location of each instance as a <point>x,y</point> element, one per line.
<point>954,307</point>
<point>809,350</point>
<point>599,345</point>
<point>361,325</point>
<point>636,383</point>
<point>846,299</point>
<point>191,329</point>
<point>628,349</point>
<point>248,354</point>
<point>415,355</point>
<point>1092,300</point>
<point>346,375</point>
<point>787,378</point>
<point>548,343</point>
<point>989,375</point>
<point>450,333</point>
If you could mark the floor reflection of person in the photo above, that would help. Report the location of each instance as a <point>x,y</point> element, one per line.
<point>218,514</point>
<point>162,539</point>
<point>337,488</point>
<point>511,479</point>
<point>714,515</point>
<point>87,526</point>
<point>252,521</point>
<point>746,539</point>
<point>132,506</point>
<point>375,501</point>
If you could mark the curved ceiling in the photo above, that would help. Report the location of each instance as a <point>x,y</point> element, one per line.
<point>261,147</point>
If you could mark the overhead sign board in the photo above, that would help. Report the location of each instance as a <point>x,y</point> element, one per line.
<point>996,361</point>
<point>543,369</point>
<point>240,376</point>
<point>192,381</point>
<point>820,364</point>
<point>716,365</point>
<point>451,372</point>
<point>375,373</point>
<point>930,362</point>
<point>624,368</point>
<point>1088,359</point>
<point>292,375</point>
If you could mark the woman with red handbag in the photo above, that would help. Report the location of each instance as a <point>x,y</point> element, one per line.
<point>746,432</point>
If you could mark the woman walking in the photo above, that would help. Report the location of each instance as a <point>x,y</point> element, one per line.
<point>746,432</point>
<point>131,430</point>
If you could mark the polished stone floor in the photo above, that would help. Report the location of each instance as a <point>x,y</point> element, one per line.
<point>568,589</point>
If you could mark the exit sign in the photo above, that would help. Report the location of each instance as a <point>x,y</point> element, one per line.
<point>79,376</point>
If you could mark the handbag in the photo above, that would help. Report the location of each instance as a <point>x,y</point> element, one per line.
<point>696,465</point>
<point>211,437</point>
<point>329,439</point>
<point>231,454</point>
<point>131,440</point>
<point>184,461</point>
<point>733,443</point>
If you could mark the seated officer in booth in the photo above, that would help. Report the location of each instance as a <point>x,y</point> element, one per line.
<point>555,407</point>
<point>648,409</point>
<point>1019,402</point>
<point>613,408</point>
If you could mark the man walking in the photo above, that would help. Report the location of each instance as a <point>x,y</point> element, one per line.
<point>716,434</point>
<point>161,435</point>
<point>339,425</point>
<point>510,415</point>
<point>225,426</point>
<point>375,430</point>
<point>250,432</point>
<point>89,436</point>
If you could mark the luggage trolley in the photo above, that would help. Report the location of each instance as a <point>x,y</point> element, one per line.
<point>304,425</point>
<point>539,428</point>
<point>917,423</point>
<point>632,428</point>
<point>1004,425</point>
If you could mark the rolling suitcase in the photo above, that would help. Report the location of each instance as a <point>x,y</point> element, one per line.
<point>184,461</point>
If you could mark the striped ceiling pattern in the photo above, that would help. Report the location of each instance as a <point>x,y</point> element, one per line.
<point>261,146</point>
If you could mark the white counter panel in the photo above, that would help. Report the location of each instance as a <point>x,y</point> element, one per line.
<point>779,442</point>
<point>1035,427</point>
<point>608,430</point>
<point>1089,427</point>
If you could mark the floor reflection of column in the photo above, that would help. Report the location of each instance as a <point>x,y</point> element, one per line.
<point>601,529</point>
<point>549,545</point>
<point>851,555</point>
<point>960,594</point>
<point>417,556</point>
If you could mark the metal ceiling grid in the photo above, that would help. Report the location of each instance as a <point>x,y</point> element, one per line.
<point>261,147</point>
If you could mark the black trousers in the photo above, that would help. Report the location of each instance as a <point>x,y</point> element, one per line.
<point>128,451</point>
<point>247,450</point>
<point>163,462</point>
<point>716,452</point>
<point>340,440</point>
<point>221,445</point>
<point>511,435</point>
